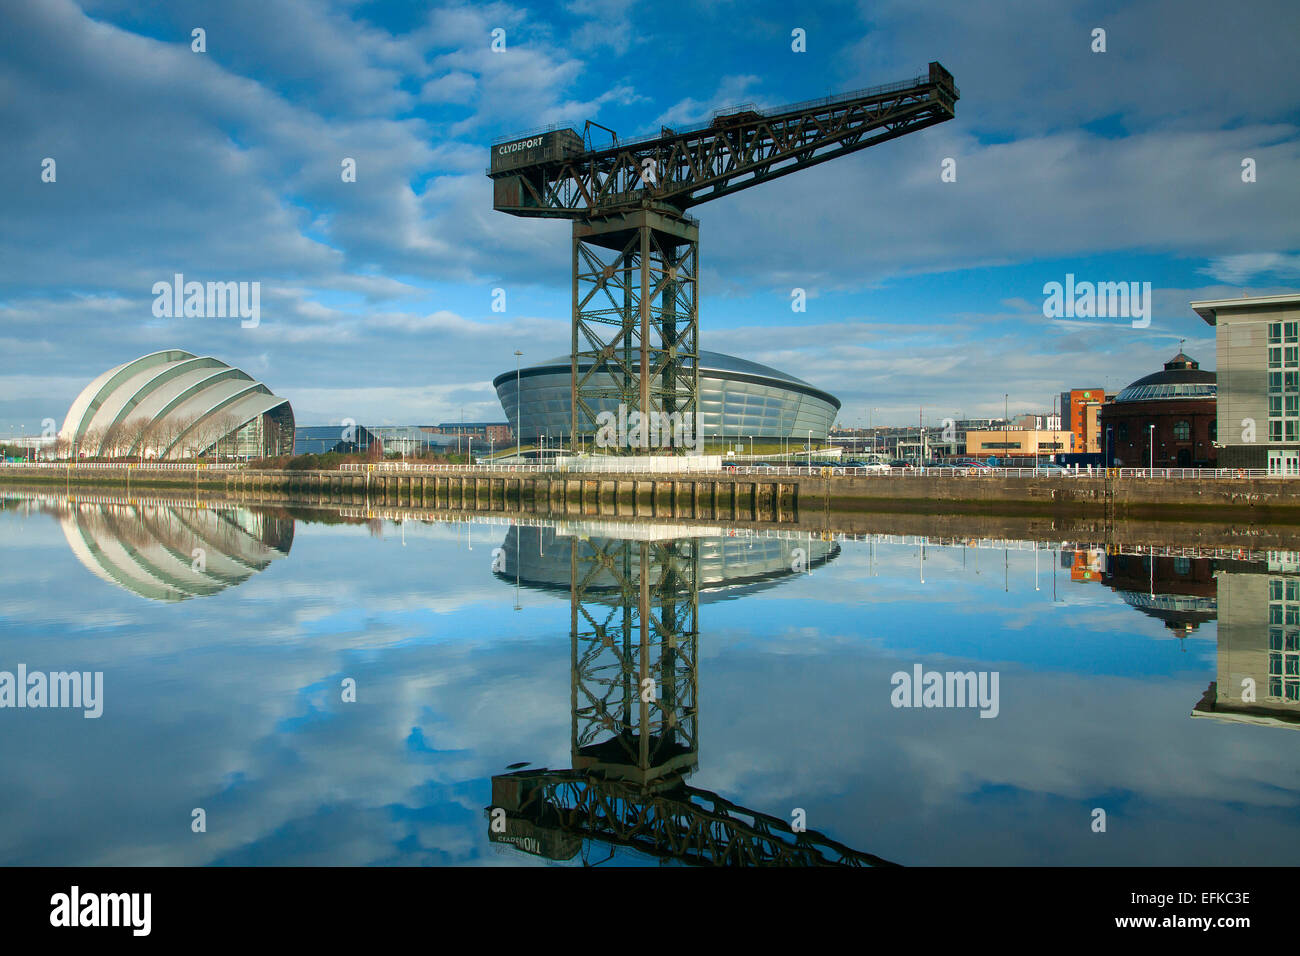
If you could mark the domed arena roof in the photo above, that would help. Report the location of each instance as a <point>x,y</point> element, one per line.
<point>170,404</point>
<point>724,366</point>
<point>1182,377</point>
<point>165,551</point>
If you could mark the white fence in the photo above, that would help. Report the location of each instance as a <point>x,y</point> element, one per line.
<point>123,465</point>
<point>616,467</point>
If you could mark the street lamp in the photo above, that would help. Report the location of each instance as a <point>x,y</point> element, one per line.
<point>519,412</point>
<point>810,448</point>
<point>1151,446</point>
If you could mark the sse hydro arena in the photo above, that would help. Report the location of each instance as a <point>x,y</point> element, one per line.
<point>739,400</point>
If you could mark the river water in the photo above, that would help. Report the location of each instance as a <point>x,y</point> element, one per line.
<point>316,687</point>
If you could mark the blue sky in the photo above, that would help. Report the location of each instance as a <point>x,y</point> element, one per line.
<point>376,295</point>
<point>229,702</point>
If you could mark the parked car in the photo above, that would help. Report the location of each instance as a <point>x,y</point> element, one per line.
<point>1051,468</point>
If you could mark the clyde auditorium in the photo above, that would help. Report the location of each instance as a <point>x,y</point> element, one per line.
<point>174,404</point>
<point>738,399</point>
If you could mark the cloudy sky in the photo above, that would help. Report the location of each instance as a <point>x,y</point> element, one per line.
<point>231,703</point>
<point>224,165</point>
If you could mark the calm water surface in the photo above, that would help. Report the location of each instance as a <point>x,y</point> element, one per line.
<point>228,638</point>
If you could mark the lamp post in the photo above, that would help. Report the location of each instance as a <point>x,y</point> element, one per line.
<point>1151,446</point>
<point>810,448</point>
<point>519,411</point>
<point>470,456</point>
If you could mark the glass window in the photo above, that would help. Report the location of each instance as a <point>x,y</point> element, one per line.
<point>1275,638</point>
<point>1290,329</point>
<point>1275,381</point>
<point>1182,431</point>
<point>1275,357</point>
<point>1291,356</point>
<point>1274,430</point>
<point>1275,405</point>
<point>1275,590</point>
<point>1293,590</point>
<point>1292,430</point>
<point>1292,404</point>
<point>1214,429</point>
<point>1291,381</point>
<point>1123,431</point>
<point>1274,332</point>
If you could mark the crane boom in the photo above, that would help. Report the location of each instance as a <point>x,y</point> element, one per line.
<point>635,332</point>
<point>553,175</point>
<point>550,812</point>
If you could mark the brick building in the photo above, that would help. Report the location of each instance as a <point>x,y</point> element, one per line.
<point>1167,419</point>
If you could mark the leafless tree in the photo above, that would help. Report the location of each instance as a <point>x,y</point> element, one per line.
<point>88,445</point>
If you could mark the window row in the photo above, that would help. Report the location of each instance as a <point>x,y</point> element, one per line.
<point>1283,331</point>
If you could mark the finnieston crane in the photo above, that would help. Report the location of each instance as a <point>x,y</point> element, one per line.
<point>635,329</point>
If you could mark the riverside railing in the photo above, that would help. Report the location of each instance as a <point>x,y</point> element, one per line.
<point>614,467</point>
<point>122,465</point>
<point>948,471</point>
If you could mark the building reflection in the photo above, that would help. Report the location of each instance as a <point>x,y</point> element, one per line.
<point>1258,679</point>
<point>1255,599</point>
<point>634,641</point>
<point>726,566</point>
<point>1176,590</point>
<point>167,551</point>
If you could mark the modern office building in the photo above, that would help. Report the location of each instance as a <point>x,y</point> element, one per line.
<point>344,439</point>
<point>739,400</point>
<point>498,432</point>
<point>1164,420</point>
<point>1018,445</point>
<point>1081,416</point>
<point>174,405</point>
<point>1257,349</point>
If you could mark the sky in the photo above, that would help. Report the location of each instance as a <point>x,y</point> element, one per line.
<point>231,703</point>
<point>924,297</point>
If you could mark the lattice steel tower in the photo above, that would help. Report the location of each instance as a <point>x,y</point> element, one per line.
<point>635,335</point>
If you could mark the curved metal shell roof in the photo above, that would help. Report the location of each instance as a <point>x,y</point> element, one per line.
<point>152,549</point>
<point>184,394</point>
<point>721,365</point>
